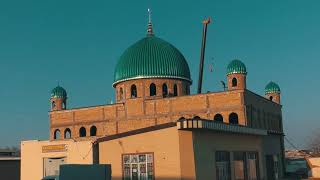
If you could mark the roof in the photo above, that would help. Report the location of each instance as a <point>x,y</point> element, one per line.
<point>58,92</point>
<point>193,124</point>
<point>151,57</point>
<point>236,67</point>
<point>190,124</point>
<point>272,87</point>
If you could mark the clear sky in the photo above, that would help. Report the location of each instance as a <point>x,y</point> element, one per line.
<point>78,42</point>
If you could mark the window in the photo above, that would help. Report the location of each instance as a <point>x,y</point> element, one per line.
<point>187,90</point>
<point>121,93</point>
<point>64,105</point>
<point>164,90</point>
<point>239,163</point>
<point>223,171</point>
<point>53,104</point>
<point>93,131</point>
<point>234,82</point>
<point>218,118</point>
<point>196,117</point>
<point>270,98</point>
<point>153,89</point>
<point>233,118</point>
<point>67,133</point>
<point>138,166</point>
<point>175,90</point>
<point>253,165</point>
<point>82,132</point>
<point>133,91</point>
<point>56,134</point>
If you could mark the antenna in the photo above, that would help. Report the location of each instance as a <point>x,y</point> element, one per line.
<point>205,23</point>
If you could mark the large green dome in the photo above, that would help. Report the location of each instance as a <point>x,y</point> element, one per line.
<point>272,87</point>
<point>236,67</point>
<point>58,92</point>
<point>151,57</point>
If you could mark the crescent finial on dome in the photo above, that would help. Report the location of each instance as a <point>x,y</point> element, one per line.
<point>149,29</point>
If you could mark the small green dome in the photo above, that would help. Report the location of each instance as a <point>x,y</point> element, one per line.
<point>236,67</point>
<point>151,57</point>
<point>272,87</point>
<point>58,92</point>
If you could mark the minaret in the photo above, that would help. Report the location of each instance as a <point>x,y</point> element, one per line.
<point>149,29</point>
<point>272,92</point>
<point>236,75</point>
<point>58,99</point>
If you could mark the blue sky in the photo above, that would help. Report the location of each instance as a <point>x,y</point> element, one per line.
<point>78,42</point>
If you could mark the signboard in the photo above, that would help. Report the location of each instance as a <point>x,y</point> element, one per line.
<point>54,148</point>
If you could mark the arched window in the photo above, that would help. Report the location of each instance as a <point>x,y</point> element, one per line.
<point>56,134</point>
<point>271,98</point>
<point>82,132</point>
<point>133,91</point>
<point>175,90</point>
<point>164,90</point>
<point>182,119</point>
<point>93,131</point>
<point>196,117</point>
<point>153,89</point>
<point>187,89</point>
<point>233,118</point>
<point>234,82</point>
<point>67,133</point>
<point>218,118</point>
<point>53,104</point>
<point>121,93</point>
<point>64,105</point>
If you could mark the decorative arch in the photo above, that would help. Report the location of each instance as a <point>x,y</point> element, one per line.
<point>67,133</point>
<point>233,118</point>
<point>153,89</point>
<point>56,134</point>
<point>218,118</point>
<point>93,131</point>
<point>164,90</point>
<point>234,82</point>
<point>133,91</point>
<point>175,90</point>
<point>82,132</point>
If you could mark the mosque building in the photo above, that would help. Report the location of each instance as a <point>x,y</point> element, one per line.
<point>157,129</point>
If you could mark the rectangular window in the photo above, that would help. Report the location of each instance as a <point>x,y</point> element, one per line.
<point>252,161</point>
<point>223,165</point>
<point>239,161</point>
<point>138,166</point>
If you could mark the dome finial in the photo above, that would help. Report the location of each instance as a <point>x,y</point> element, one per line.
<point>149,30</point>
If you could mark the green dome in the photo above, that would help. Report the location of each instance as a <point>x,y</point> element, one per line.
<point>236,67</point>
<point>151,57</point>
<point>58,92</point>
<point>272,87</point>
